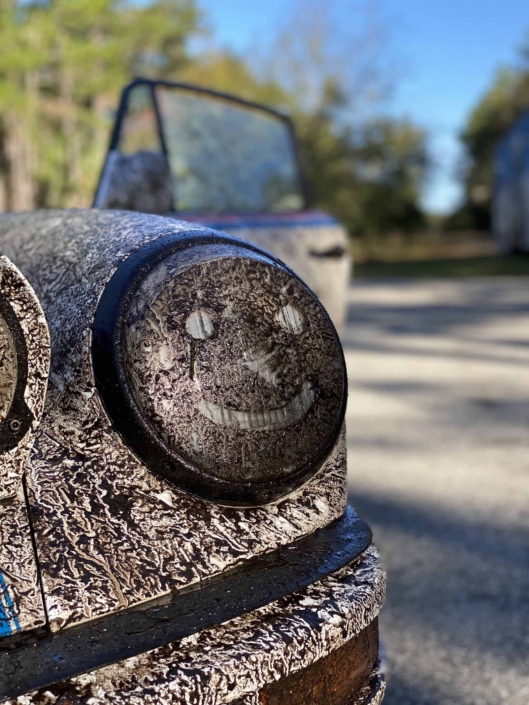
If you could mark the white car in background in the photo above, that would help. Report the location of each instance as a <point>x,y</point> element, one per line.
<point>510,201</point>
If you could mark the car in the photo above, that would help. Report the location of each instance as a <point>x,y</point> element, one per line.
<point>510,198</point>
<point>232,165</point>
<point>174,515</point>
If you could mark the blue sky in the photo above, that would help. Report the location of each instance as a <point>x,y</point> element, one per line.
<point>447,52</point>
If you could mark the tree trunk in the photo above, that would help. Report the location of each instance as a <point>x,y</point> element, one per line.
<point>19,157</point>
<point>71,137</point>
<point>3,194</point>
<point>21,149</point>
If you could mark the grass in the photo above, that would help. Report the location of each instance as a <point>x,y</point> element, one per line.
<point>428,245</point>
<point>453,267</point>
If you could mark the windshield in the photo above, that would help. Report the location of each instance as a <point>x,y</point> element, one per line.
<point>227,157</point>
<point>221,155</point>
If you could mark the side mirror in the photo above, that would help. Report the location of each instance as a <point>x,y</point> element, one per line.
<point>137,182</point>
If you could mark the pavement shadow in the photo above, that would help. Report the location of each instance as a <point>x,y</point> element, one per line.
<point>456,618</point>
<point>462,308</point>
<point>371,323</point>
<point>459,589</point>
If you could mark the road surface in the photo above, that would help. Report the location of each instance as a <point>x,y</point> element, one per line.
<point>438,436</point>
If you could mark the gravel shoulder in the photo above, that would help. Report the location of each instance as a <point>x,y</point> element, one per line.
<point>438,440</point>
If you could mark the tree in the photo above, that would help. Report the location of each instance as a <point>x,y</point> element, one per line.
<point>501,106</point>
<point>62,67</point>
<point>365,169</point>
<point>392,163</point>
<point>65,61</point>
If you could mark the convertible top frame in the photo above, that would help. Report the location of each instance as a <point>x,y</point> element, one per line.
<point>152,83</point>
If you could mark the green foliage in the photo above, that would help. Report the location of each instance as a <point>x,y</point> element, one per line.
<point>501,106</point>
<point>64,63</point>
<point>457,267</point>
<point>228,73</point>
<point>369,176</point>
<point>62,67</point>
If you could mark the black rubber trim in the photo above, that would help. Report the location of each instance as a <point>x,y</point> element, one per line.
<point>332,253</point>
<point>256,583</point>
<point>19,417</point>
<point>122,409</point>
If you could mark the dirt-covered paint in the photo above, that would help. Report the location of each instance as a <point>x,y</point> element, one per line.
<point>21,606</point>
<point>234,660</point>
<point>110,534</point>
<point>23,302</point>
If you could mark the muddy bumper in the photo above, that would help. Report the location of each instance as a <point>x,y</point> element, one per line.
<point>314,644</point>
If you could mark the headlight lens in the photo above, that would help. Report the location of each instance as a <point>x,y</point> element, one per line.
<point>234,368</point>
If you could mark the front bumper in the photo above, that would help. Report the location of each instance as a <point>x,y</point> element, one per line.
<point>317,644</point>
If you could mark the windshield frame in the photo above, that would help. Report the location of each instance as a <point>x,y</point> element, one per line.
<point>153,83</point>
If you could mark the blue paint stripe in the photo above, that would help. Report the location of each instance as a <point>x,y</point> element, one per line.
<point>8,617</point>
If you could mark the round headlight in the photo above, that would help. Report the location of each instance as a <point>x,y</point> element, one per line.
<point>229,369</point>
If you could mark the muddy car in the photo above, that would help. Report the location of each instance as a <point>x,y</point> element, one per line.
<point>174,519</point>
<point>220,161</point>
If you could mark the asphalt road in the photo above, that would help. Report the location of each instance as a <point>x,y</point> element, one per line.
<point>438,434</point>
